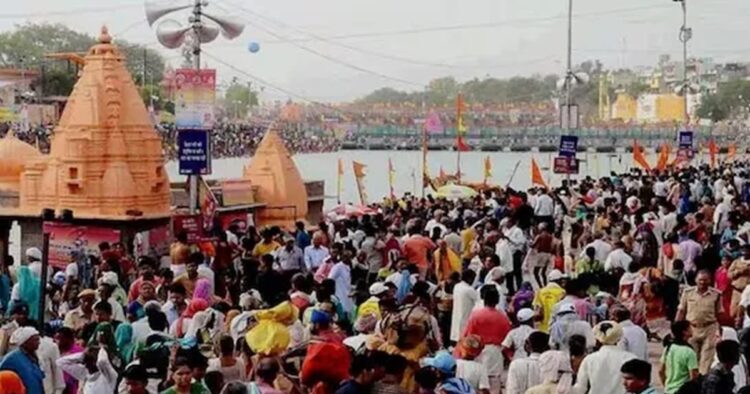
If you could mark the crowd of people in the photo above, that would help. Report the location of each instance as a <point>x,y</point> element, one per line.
<point>592,287</point>
<point>242,139</point>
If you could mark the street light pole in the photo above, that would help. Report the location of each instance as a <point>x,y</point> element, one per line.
<point>686,34</point>
<point>196,20</point>
<point>569,85</point>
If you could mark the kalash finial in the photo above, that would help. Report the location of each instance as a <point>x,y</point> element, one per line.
<point>104,37</point>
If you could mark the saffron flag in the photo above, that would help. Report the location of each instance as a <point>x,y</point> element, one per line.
<point>663,162</point>
<point>208,204</point>
<point>536,175</point>
<point>713,150</point>
<point>731,151</point>
<point>432,123</point>
<point>391,178</point>
<point>340,180</point>
<point>359,176</point>
<point>639,158</point>
<point>487,169</point>
<point>441,174</point>
<point>461,144</point>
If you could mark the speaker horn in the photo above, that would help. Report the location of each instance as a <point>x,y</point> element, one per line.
<point>171,34</point>
<point>155,10</point>
<point>207,33</point>
<point>230,27</point>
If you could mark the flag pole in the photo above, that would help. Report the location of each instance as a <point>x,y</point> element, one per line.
<point>424,152</point>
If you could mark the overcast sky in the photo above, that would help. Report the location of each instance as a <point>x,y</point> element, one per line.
<point>333,50</point>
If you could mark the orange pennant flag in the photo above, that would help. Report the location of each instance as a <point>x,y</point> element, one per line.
<point>713,150</point>
<point>441,174</point>
<point>487,169</point>
<point>663,162</point>
<point>536,175</point>
<point>731,151</point>
<point>359,169</point>
<point>639,158</point>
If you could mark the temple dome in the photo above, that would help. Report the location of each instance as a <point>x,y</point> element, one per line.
<point>14,155</point>
<point>279,183</point>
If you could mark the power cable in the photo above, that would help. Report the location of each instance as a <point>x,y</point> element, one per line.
<point>75,11</point>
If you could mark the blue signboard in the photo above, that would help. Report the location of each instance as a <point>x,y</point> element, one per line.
<point>194,152</point>
<point>568,145</point>
<point>685,143</point>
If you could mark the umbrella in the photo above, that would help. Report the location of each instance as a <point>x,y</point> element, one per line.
<point>348,210</point>
<point>455,192</point>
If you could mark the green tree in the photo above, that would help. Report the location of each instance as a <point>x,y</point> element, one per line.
<point>26,46</point>
<point>239,98</point>
<point>442,90</point>
<point>732,98</point>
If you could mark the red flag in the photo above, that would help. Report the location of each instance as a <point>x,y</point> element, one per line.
<point>639,158</point>
<point>536,175</point>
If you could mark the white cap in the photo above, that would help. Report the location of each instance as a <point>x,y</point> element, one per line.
<point>22,334</point>
<point>555,275</point>
<point>566,308</point>
<point>34,253</point>
<point>109,278</point>
<point>378,288</point>
<point>525,315</point>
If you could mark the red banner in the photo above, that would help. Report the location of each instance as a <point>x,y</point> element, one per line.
<point>67,240</point>
<point>192,225</point>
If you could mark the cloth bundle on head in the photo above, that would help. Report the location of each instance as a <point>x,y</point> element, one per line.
<point>469,347</point>
<point>271,335</point>
<point>34,253</point>
<point>202,290</point>
<point>109,278</point>
<point>22,334</point>
<point>608,333</point>
<point>554,366</point>
<point>251,300</point>
<point>365,324</point>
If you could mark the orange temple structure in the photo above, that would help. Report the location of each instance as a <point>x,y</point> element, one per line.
<point>106,169</point>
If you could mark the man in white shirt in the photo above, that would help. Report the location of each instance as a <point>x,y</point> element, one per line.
<point>601,247</point>
<point>517,240</point>
<point>525,373</point>
<point>618,258</point>
<point>315,254</point>
<point>92,368</point>
<point>668,217</point>
<point>634,339</point>
<point>599,371</point>
<point>464,298</point>
<point>436,222</point>
<point>48,353</point>
<point>544,206</point>
<point>660,187</point>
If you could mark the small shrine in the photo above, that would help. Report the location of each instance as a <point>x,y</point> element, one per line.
<point>105,167</point>
<point>279,183</point>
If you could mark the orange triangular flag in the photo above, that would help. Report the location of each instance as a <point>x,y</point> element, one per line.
<point>441,174</point>
<point>713,150</point>
<point>731,151</point>
<point>536,175</point>
<point>639,158</point>
<point>359,169</point>
<point>663,162</point>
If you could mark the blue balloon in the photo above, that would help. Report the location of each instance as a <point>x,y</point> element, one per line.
<point>253,47</point>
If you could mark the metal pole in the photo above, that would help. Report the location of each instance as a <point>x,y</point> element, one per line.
<point>43,289</point>
<point>685,37</point>
<point>569,81</point>
<point>193,179</point>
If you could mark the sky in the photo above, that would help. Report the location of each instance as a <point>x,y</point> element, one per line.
<point>339,50</point>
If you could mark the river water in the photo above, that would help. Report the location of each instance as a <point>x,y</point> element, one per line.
<point>407,165</point>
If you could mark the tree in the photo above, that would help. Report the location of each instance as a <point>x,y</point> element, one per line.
<point>239,98</point>
<point>442,90</point>
<point>26,46</point>
<point>731,99</point>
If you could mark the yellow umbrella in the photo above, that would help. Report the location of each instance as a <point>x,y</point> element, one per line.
<point>455,192</point>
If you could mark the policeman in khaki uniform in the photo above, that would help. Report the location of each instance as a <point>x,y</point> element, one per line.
<point>700,305</point>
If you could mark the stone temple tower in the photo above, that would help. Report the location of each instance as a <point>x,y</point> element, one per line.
<point>106,159</point>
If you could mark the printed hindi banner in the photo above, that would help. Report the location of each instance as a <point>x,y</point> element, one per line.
<point>68,243</point>
<point>195,99</point>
